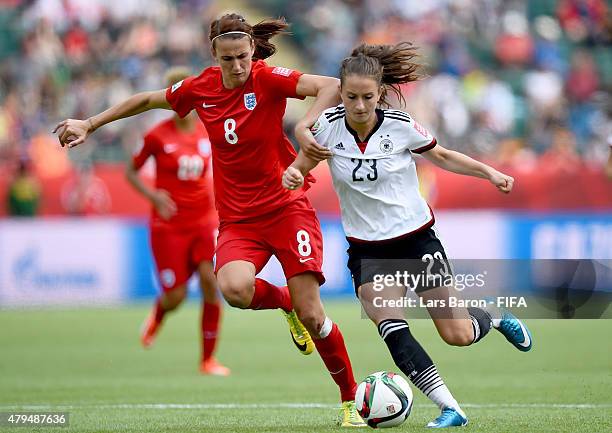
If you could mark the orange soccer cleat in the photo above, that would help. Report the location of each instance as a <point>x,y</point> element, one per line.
<point>149,330</point>
<point>214,368</point>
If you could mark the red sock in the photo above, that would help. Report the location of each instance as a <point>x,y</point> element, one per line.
<point>333,352</point>
<point>159,312</point>
<point>268,297</point>
<point>211,313</point>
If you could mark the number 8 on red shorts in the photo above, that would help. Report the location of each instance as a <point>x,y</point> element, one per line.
<point>292,234</point>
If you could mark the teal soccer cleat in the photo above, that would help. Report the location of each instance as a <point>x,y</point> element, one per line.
<point>449,418</point>
<point>515,331</point>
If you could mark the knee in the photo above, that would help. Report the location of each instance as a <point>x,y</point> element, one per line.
<point>209,289</point>
<point>237,293</point>
<point>311,319</point>
<point>458,335</point>
<point>174,298</point>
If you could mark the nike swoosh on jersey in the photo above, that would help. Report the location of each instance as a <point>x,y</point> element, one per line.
<point>305,260</point>
<point>205,105</point>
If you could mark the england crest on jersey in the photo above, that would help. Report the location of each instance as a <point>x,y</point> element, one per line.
<point>250,101</point>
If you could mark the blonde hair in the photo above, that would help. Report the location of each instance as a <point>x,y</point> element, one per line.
<point>176,74</point>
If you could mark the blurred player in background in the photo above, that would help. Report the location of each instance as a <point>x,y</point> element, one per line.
<point>24,192</point>
<point>242,102</point>
<point>183,223</point>
<point>387,222</point>
<point>608,168</point>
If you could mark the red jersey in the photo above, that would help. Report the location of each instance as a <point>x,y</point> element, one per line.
<point>250,148</point>
<point>182,160</point>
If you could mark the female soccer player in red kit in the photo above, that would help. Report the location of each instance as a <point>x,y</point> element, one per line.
<point>182,222</point>
<point>242,102</point>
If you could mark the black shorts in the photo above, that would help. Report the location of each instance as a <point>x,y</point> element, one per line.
<point>417,261</point>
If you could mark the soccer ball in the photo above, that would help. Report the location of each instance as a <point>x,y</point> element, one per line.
<point>384,399</point>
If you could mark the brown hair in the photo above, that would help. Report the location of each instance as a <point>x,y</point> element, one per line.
<point>260,33</point>
<point>388,65</point>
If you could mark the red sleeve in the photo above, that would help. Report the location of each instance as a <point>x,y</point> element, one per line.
<point>146,149</point>
<point>280,81</point>
<point>180,96</point>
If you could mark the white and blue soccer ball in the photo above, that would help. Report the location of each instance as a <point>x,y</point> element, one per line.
<point>384,399</point>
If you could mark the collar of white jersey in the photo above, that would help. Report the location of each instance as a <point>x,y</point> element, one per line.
<point>380,116</point>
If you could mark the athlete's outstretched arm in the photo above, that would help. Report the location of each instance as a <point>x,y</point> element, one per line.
<point>73,132</point>
<point>293,177</point>
<point>462,164</point>
<point>160,199</point>
<point>327,93</point>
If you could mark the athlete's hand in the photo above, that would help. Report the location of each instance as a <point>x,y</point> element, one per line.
<point>292,178</point>
<point>502,181</point>
<point>164,205</point>
<point>309,145</point>
<point>73,132</point>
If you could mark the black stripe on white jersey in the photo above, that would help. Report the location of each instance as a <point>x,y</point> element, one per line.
<point>398,112</point>
<point>339,110</point>
<point>427,147</point>
<point>330,115</point>
<point>336,117</point>
<point>401,119</point>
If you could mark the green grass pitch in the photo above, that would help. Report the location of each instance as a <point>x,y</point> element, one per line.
<point>89,362</point>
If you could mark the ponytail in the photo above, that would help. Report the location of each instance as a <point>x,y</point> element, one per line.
<point>260,33</point>
<point>263,32</point>
<point>389,65</point>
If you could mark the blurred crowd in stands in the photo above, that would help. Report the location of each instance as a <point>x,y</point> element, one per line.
<point>508,80</point>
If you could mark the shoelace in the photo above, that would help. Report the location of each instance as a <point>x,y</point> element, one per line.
<point>352,408</point>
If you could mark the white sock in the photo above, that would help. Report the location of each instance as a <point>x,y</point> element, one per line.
<point>431,384</point>
<point>495,314</point>
<point>442,397</point>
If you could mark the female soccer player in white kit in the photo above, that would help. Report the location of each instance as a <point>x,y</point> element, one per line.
<point>388,224</point>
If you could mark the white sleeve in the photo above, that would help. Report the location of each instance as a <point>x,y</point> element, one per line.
<point>321,131</point>
<point>419,139</point>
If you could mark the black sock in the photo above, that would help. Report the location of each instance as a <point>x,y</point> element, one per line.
<point>481,322</point>
<point>409,355</point>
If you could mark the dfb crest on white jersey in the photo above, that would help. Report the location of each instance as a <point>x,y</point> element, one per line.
<point>250,101</point>
<point>386,146</point>
<point>381,174</point>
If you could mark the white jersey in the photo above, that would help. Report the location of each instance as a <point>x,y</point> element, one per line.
<point>376,180</point>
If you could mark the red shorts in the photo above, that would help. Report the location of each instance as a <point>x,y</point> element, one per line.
<point>178,253</point>
<point>292,234</point>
